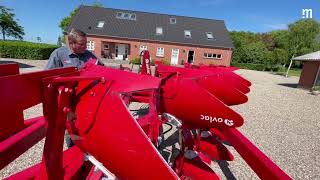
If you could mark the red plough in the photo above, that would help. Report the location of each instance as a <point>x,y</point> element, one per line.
<point>93,105</point>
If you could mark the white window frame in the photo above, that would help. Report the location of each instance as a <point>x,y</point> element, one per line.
<point>160,52</point>
<point>90,45</point>
<point>209,35</point>
<point>119,15</point>
<point>173,20</point>
<point>133,18</point>
<point>100,24</point>
<point>143,47</point>
<point>159,30</point>
<point>187,34</point>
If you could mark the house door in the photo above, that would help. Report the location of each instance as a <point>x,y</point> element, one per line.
<point>120,51</point>
<point>190,57</point>
<point>174,56</point>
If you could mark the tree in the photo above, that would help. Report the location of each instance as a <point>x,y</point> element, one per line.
<point>39,39</point>
<point>303,36</point>
<point>67,20</point>
<point>59,42</point>
<point>8,24</point>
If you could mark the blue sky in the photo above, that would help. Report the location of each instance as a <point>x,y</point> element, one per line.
<point>41,17</point>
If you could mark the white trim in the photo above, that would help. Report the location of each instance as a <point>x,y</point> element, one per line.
<point>161,52</point>
<point>177,56</point>
<point>173,22</point>
<point>187,34</point>
<point>209,36</point>
<point>100,24</point>
<point>159,30</point>
<point>90,45</point>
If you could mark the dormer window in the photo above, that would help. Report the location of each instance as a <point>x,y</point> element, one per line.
<point>126,15</point>
<point>119,14</point>
<point>187,33</point>
<point>159,31</point>
<point>173,20</point>
<point>133,17</point>
<point>100,24</point>
<point>209,35</point>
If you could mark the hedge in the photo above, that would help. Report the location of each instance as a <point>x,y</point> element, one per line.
<point>257,67</point>
<point>25,50</point>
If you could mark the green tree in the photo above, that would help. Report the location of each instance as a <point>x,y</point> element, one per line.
<point>64,23</point>
<point>59,42</point>
<point>9,25</point>
<point>67,20</point>
<point>303,36</point>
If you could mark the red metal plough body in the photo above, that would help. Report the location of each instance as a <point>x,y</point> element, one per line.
<point>93,105</point>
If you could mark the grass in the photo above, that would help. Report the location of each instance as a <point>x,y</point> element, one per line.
<point>292,72</point>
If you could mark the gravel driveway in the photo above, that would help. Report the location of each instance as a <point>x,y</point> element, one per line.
<point>280,119</point>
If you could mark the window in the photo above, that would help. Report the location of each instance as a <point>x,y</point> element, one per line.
<point>160,52</point>
<point>209,35</point>
<point>126,15</point>
<point>133,17</point>
<point>173,20</point>
<point>100,24</point>
<point>129,16</point>
<point>159,31</point>
<point>106,46</point>
<point>143,47</point>
<point>187,33</point>
<point>90,45</point>
<point>212,56</point>
<point>119,14</point>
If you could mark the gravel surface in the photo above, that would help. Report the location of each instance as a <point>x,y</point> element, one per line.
<point>280,119</point>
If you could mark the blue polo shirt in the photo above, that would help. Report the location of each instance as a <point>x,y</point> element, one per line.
<point>64,57</point>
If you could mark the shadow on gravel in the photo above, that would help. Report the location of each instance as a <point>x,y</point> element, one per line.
<point>21,65</point>
<point>290,85</point>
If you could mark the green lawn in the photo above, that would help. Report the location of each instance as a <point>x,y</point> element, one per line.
<point>292,72</point>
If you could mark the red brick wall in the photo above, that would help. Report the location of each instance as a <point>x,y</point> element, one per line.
<point>152,47</point>
<point>308,74</point>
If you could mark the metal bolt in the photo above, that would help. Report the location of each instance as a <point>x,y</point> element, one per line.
<point>102,80</point>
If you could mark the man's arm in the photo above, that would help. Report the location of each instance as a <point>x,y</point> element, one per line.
<point>54,61</point>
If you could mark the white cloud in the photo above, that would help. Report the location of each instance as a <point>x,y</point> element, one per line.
<point>276,26</point>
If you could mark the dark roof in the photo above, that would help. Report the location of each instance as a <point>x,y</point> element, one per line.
<point>144,27</point>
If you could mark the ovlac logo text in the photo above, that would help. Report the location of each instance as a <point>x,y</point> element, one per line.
<point>211,119</point>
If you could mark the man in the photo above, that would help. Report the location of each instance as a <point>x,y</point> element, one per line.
<point>75,55</point>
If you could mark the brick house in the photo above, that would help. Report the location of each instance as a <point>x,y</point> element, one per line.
<point>123,34</point>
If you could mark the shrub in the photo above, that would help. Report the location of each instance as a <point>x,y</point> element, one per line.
<point>165,61</point>
<point>257,67</point>
<point>25,50</point>
<point>136,60</point>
